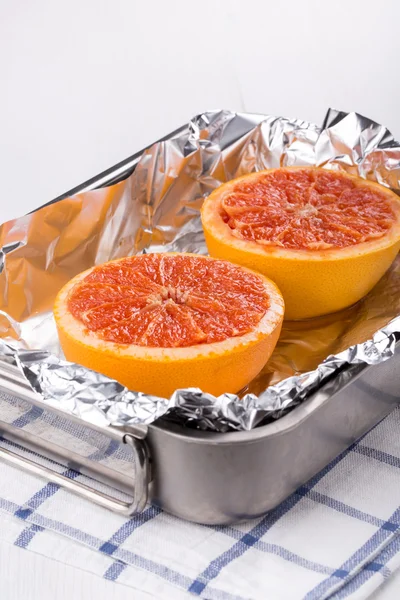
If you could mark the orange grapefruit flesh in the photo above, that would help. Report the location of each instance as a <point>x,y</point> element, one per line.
<point>160,322</point>
<point>324,237</point>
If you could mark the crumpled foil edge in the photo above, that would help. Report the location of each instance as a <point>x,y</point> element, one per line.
<point>96,398</point>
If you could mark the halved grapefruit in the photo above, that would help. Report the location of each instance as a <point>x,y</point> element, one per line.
<point>160,322</point>
<point>325,237</point>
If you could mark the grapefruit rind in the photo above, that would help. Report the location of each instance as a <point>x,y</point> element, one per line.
<point>312,282</point>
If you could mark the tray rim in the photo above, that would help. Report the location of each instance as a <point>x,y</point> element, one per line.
<point>281,426</point>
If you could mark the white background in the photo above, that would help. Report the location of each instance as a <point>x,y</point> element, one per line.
<point>85,83</point>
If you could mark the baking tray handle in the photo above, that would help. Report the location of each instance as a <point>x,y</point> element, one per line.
<point>127,509</point>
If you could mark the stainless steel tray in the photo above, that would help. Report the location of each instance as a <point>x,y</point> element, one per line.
<point>216,478</point>
<point>207,477</point>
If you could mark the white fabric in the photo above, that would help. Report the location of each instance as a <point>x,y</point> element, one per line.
<point>336,537</point>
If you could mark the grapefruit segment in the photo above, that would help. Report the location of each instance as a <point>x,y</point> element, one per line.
<point>103,316</point>
<point>161,322</point>
<point>88,297</point>
<point>173,327</point>
<point>127,332</point>
<point>307,209</point>
<point>324,237</point>
<point>123,277</point>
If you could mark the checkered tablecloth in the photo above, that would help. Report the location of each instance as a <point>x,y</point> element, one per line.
<point>337,536</point>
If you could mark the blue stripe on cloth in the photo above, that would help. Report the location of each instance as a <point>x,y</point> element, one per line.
<point>120,536</point>
<point>31,452</point>
<point>26,535</point>
<point>115,570</point>
<point>383,457</point>
<point>389,551</point>
<point>33,503</point>
<point>274,549</point>
<point>170,575</point>
<point>378,565</point>
<point>345,508</point>
<point>93,542</point>
<point>372,547</point>
<point>218,564</point>
<point>29,417</point>
<point>63,424</point>
<point>42,495</point>
<point>50,489</point>
<point>292,557</point>
<point>100,454</point>
<point>9,506</point>
<point>23,512</point>
<point>240,547</point>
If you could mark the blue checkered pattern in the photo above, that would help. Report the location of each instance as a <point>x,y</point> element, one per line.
<point>336,536</point>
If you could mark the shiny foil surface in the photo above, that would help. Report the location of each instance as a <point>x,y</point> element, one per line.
<point>156,209</point>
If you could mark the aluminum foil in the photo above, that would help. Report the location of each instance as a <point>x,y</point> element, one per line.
<point>156,209</point>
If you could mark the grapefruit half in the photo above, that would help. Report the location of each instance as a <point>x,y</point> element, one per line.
<point>325,237</point>
<point>160,322</point>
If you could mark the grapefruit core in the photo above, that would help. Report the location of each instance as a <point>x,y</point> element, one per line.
<point>325,237</point>
<point>161,322</point>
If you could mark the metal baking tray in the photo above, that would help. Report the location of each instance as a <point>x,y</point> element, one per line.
<point>208,477</point>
